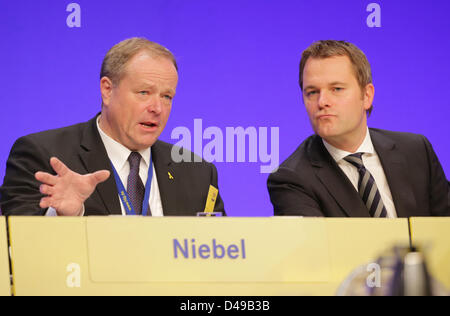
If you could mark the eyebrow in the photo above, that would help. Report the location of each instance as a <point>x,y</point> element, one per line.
<point>170,91</point>
<point>334,83</point>
<point>337,83</point>
<point>147,85</point>
<point>309,87</point>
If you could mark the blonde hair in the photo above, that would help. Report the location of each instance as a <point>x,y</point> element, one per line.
<point>113,65</point>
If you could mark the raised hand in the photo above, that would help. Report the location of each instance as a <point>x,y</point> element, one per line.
<point>67,191</point>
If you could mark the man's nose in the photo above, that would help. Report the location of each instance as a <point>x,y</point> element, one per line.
<point>155,104</point>
<point>324,99</point>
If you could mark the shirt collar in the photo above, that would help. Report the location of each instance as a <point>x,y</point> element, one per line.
<point>118,153</point>
<point>338,154</point>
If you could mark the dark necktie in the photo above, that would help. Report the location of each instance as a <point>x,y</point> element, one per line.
<point>367,187</point>
<point>135,187</point>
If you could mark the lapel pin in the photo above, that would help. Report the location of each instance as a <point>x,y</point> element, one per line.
<point>170,176</point>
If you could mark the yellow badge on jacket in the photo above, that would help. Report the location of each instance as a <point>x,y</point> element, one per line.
<point>211,199</point>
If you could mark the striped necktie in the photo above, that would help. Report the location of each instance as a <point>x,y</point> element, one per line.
<point>367,187</point>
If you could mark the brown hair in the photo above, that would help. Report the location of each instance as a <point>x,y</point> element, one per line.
<point>117,57</point>
<point>331,48</point>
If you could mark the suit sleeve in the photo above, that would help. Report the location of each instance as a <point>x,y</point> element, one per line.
<point>290,197</point>
<point>448,195</point>
<point>219,207</point>
<point>20,193</point>
<point>439,186</point>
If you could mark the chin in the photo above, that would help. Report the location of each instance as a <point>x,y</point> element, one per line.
<point>325,132</point>
<point>149,143</point>
<point>138,146</point>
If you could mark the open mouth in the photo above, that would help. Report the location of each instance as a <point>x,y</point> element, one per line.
<point>149,124</point>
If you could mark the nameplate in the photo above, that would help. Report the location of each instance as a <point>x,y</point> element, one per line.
<point>207,250</point>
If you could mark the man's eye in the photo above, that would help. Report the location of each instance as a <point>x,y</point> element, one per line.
<point>337,89</point>
<point>310,93</point>
<point>143,92</point>
<point>168,97</point>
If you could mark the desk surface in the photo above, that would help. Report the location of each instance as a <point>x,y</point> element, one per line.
<point>194,256</point>
<point>5,283</point>
<point>432,235</point>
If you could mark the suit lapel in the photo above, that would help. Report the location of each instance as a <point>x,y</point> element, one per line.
<point>167,177</point>
<point>335,180</point>
<point>394,166</point>
<point>94,157</point>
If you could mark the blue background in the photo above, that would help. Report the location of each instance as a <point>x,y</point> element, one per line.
<point>238,66</point>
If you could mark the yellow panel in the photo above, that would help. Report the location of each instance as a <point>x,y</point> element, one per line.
<point>134,255</point>
<point>5,283</point>
<point>433,236</point>
<point>358,241</point>
<point>43,249</point>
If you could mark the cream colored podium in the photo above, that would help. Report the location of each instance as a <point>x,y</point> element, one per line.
<point>193,256</point>
<point>5,283</point>
<point>432,236</point>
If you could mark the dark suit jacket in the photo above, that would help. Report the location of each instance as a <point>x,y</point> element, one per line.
<point>310,183</point>
<point>80,147</point>
<point>448,192</point>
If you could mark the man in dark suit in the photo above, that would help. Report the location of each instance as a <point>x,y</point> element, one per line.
<point>347,169</point>
<point>69,171</point>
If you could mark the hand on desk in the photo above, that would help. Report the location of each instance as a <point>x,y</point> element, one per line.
<point>67,191</point>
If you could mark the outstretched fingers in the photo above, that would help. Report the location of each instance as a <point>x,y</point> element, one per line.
<point>60,168</point>
<point>99,177</point>
<point>45,178</point>
<point>45,202</point>
<point>46,189</point>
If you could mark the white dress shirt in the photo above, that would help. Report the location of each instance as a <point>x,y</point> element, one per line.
<point>372,163</point>
<point>118,155</point>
